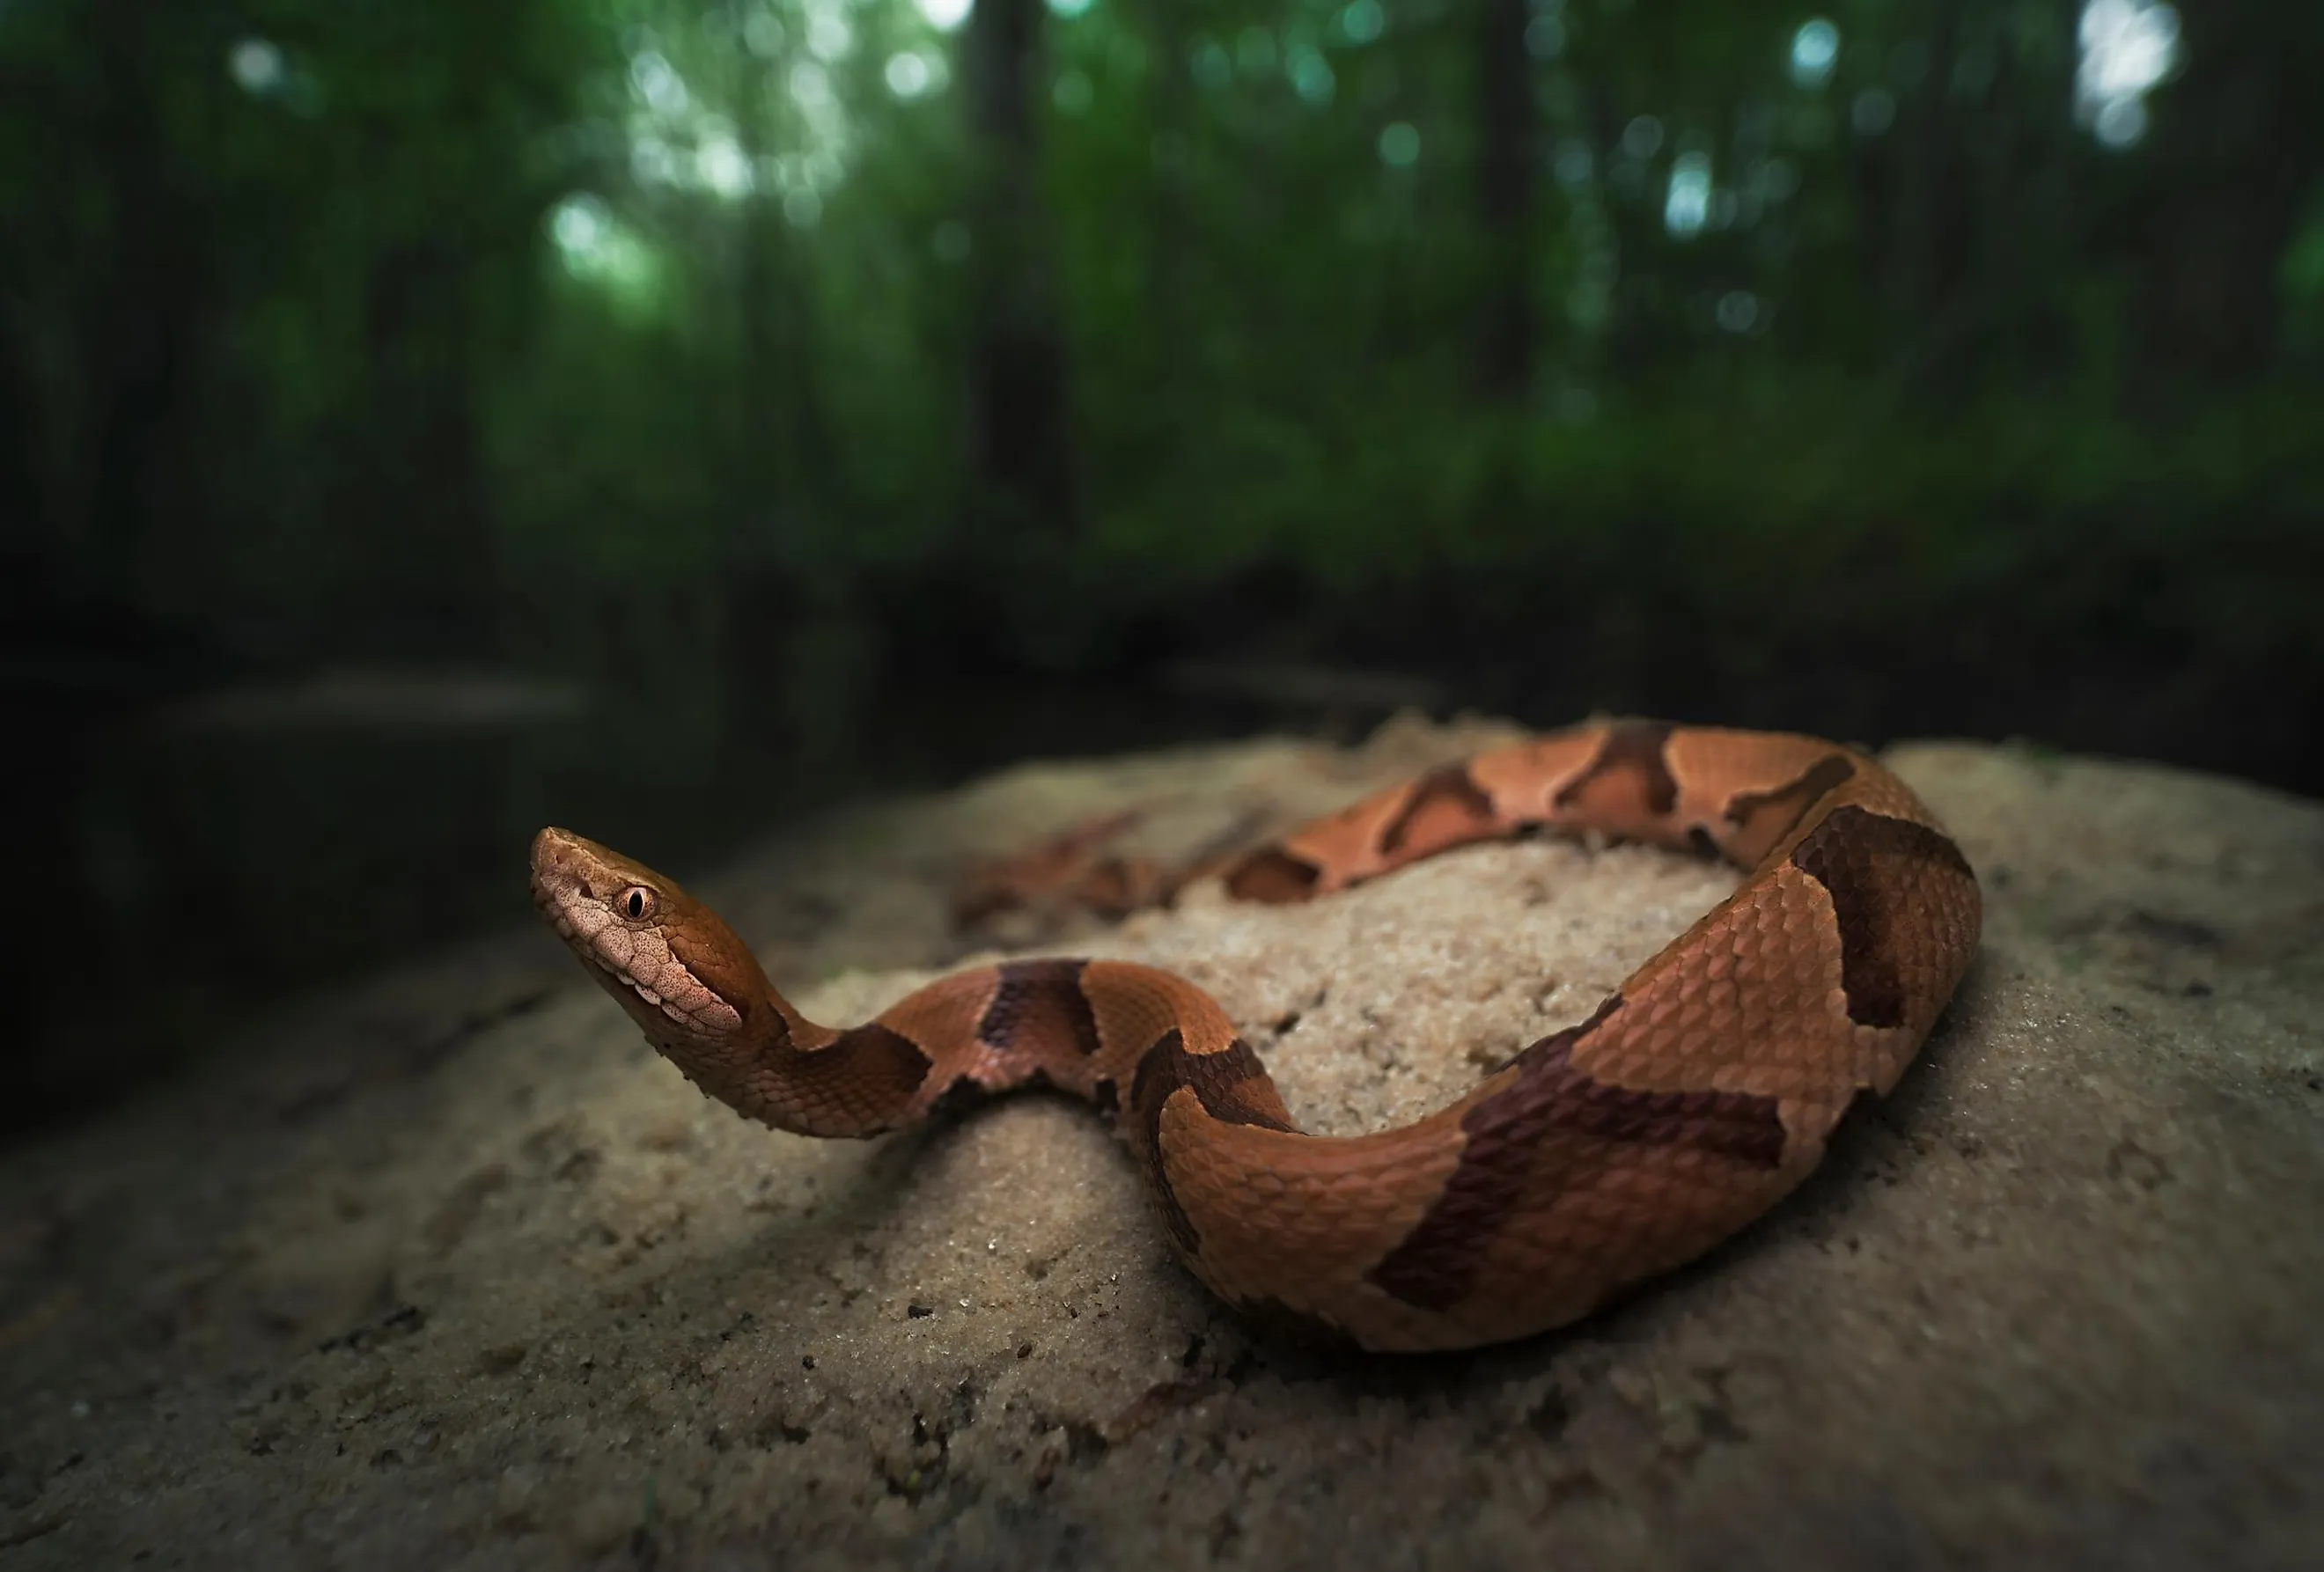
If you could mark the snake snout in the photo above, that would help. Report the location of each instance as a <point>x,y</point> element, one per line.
<point>557,851</point>
<point>561,885</point>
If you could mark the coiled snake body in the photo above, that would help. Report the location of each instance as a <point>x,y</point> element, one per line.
<point>1696,1097</point>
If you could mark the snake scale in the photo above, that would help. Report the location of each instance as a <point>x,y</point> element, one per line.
<point>1696,1096</point>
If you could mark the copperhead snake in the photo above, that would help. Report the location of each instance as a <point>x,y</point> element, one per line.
<point>1696,1097</point>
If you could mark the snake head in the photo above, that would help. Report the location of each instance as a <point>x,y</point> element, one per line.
<point>681,973</point>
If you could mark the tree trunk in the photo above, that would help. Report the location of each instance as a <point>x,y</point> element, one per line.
<point>1505,199</point>
<point>2236,142</point>
<point>431,554</point>
<point>138,336</point>
<point>1935,311</point>
<point>1173,119</point>
<point>1017,415</point>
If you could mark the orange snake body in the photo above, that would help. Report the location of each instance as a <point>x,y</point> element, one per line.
<point>1694,1098</point>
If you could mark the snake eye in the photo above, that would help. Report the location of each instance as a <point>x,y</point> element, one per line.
<point>637,903</point>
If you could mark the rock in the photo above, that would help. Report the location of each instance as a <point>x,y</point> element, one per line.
<point>2050,1304</point>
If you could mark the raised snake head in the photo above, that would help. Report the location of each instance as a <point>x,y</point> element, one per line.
<point>681,973</point>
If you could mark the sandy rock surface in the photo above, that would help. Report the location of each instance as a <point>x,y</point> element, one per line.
<point>454,1272</point>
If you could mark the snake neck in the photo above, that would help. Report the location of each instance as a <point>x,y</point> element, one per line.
<point>744,1069</point>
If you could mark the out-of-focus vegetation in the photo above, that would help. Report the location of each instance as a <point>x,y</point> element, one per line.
<point>1874,366</point>
<point>1722,358</point>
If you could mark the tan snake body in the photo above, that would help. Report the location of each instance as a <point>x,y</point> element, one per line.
<point>1696,1096</point>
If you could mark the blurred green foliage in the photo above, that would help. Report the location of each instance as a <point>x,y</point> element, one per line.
<point>742,357</point>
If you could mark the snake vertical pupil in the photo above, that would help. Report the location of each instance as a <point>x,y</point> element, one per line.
<point>637,903</point>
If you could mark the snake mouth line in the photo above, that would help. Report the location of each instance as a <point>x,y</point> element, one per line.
<point>622,976</point>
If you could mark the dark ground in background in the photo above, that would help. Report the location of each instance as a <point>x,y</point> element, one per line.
<point>189,881</point>
<point>184,881</point>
